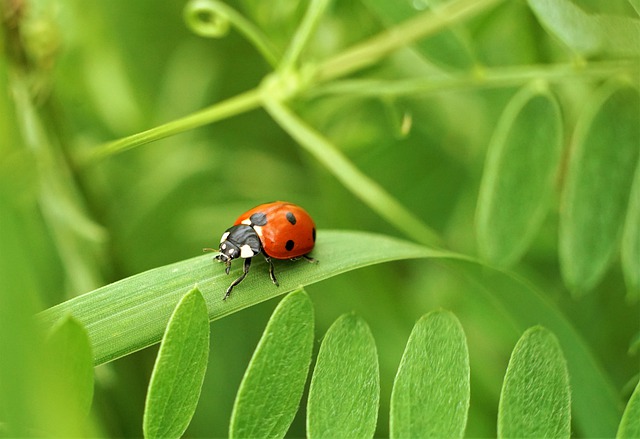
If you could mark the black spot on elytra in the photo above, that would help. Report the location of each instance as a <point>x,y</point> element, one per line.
<point>313,234</point>
<point>289,245</point>
<point>258,219</point>
<point>291,218</point>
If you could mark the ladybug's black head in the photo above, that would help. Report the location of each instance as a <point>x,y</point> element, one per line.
<point>239,241</point>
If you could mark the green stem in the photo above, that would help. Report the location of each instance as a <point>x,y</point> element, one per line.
<point>238,104</point>
<point>363,187</point>
<point>303,33</point>
<point>479,79</point>
<point>374,49</point>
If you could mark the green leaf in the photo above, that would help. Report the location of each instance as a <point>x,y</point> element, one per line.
<point>448,48</point>
<point>345,387</point>
<point>430,396</point>
<point>630,253</point>
<point>272,386</point>
<point>138,308</point>
<point>630,423</point>
<point>519,176</point>
<point>595,407</point>
<point>179,371</point>
<point>598,184</point>
<point>588,34</point>
<point>70,365</point>
<point>535,400</point>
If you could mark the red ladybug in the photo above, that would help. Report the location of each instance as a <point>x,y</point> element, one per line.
<point>278,230</point>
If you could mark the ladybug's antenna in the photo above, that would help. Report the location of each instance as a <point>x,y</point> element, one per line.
<point>209,249</point>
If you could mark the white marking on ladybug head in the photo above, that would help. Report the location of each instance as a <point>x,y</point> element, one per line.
<point>246,252</point>
<point>225,235</point>
<point>223,246</point>
<point>246,221</point>
<point>258,230</point>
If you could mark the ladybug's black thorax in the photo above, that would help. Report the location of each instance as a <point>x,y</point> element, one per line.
<point>240,241</point>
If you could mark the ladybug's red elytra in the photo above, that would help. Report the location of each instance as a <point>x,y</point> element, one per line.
<point>278,230</point>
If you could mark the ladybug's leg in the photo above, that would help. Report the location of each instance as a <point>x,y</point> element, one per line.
<point>310,259</point>
<point>272,275</point>
<point>245,270</point>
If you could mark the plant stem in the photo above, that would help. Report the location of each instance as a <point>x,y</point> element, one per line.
<point>303,33</point>
<point>379,46</point>
<point>479,79</point>
<point>368,190</point>
<point>241,103</point>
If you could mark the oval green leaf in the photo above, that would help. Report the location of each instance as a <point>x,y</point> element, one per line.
<point>345,387</point>
<point>586,33</point>
<point>430,396</point>
<point>630,253</point>
<point>68,374</point>
<point>535,401</point>
<point>630,423</point>
<point>519,175</point>
<point>272,386</point>
<point>179,370</point>
<point>598,185</point>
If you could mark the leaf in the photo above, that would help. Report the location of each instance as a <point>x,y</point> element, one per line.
<point>630,423</point>
<point>598,182</point>
<point>519,176</point>
<point>595,406</point>
<point>138,308</point>
<point>65,383</point>
<point>70,364</point>
<point>586,33</point>
<point>630,253</point>
<point>430,396</point>
<point>272,386</point>
<point>179,370</point>
<point>535,400</point>
<point>447,48</point>
<point>345,387</point>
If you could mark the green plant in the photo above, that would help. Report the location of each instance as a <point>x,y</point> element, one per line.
<point>394,118</point>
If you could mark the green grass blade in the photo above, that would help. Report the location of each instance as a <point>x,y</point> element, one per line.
<point>137,308</point>
<point>519,176</point>
<point>345,387</point>
<point>272,386</point>
<point>598,185</point>
<point>536,400</point>
<point>630,423</point>
<point>179,371</point>
<point>430,396</point>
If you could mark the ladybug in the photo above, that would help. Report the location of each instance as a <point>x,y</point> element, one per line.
<point>278,230</point>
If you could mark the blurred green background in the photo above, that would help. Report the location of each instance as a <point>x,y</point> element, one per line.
<point>86,72</point>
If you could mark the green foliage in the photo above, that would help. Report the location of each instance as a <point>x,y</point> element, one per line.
<point>179,370</point>
<point>630,423</point>
<point>601,170</point>
<point>521,165</point>
<point>345,387</point>
<point>139,307</point>
<point>272,386</point>
<point>129,141</point>
<point>431,391</point>
<point>536,400</point>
